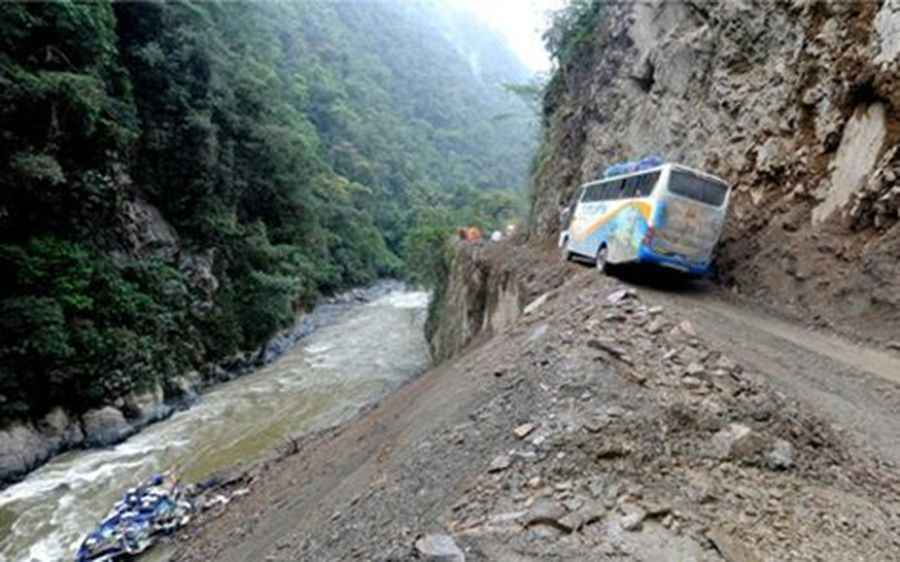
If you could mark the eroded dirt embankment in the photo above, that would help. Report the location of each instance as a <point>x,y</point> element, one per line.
<point>795,103</point>
<point>601,421</point>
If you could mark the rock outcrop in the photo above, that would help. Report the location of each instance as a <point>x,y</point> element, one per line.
<point>794,102</point>
<point>23,446</point>
<point>485,294</point>
<point>105,426</point>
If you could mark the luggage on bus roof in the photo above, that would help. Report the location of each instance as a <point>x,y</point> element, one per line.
<point>632,166</point>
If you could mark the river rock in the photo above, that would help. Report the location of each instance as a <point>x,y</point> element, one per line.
<point>105,426</point>
<point>60,431</point>
<point>186,386</point>
<point>439,548</point>
<point>147,406</point>
<point>21,449</point>
<point>25,446</point>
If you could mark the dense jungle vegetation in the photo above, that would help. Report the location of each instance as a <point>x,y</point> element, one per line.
<point>177,179</point>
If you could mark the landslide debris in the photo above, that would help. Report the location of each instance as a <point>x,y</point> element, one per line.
<point>598,427</point>
<point>660,445</point>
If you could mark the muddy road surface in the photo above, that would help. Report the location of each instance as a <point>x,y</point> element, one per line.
<point>618,420</point>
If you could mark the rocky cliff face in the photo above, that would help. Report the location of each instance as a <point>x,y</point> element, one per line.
<point>482,297</point>
<point>490,286</point>
<point>794,102</point>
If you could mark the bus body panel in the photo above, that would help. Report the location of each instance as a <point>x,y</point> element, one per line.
<point>621,225</point>
<point>684,231</point>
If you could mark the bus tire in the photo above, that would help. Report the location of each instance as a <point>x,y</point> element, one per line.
<point>566,254</point>
<point>600,261</point>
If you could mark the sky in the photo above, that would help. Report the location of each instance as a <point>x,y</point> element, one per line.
<point>521,22</point>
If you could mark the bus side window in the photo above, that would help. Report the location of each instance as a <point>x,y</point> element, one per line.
<point>604,192</point>
<point>610,192</point>
<point>648,182</point>
<point>630,187</point>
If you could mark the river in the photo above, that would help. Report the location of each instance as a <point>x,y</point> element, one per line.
<point>364,353</point>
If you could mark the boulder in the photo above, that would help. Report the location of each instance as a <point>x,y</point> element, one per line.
<point>105,426</point>
<point>147,406</point>
<point>21,449</point>
<point>60,431</point>
<point>186,386</point>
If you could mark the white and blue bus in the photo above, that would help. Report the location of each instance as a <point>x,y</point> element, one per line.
<point>669,215</point>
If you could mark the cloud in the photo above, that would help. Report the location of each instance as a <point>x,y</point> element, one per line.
<point>520,22</point>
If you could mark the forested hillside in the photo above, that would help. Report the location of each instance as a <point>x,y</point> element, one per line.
<point>178,179</point>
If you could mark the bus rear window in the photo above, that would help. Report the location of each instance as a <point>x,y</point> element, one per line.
<point>697,188</point>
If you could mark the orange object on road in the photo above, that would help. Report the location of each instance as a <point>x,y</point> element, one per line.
<point>469,234</point>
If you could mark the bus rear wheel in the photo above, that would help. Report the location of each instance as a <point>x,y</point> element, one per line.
<point>602,265</point>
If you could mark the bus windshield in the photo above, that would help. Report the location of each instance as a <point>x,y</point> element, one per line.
<point>697,188</point>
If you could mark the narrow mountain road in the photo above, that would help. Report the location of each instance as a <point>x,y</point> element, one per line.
<point>857,388</point>
<point>608,428</point>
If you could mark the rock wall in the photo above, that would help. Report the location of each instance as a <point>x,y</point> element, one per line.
<point>794,102</point>
<point>482,297</point>
<point>490,286</point>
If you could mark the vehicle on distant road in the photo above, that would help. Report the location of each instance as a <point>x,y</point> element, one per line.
<point>669,215</point>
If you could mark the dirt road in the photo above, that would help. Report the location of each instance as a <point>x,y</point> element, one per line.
<point>609,424</point>
<point>854,386</point>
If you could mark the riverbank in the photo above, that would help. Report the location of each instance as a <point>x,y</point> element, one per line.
<point>363,354</point>
<point>27,445</point>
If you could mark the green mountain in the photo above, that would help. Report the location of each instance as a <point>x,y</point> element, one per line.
<point>178,179</point>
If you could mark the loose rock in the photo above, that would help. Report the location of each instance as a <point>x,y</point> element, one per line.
<point>737,442</point>
<point>500,463</point>
<point>439,548</point>
<point>105,426</point>
<point>634,520</point>
<point>781,456</point>
<point>620,296</point>
<point>523,430</point>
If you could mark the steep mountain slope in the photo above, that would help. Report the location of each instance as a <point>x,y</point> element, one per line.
<point>794,102</point>
<point>178,179</point>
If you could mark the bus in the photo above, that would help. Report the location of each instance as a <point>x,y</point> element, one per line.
<point>670,215</point>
